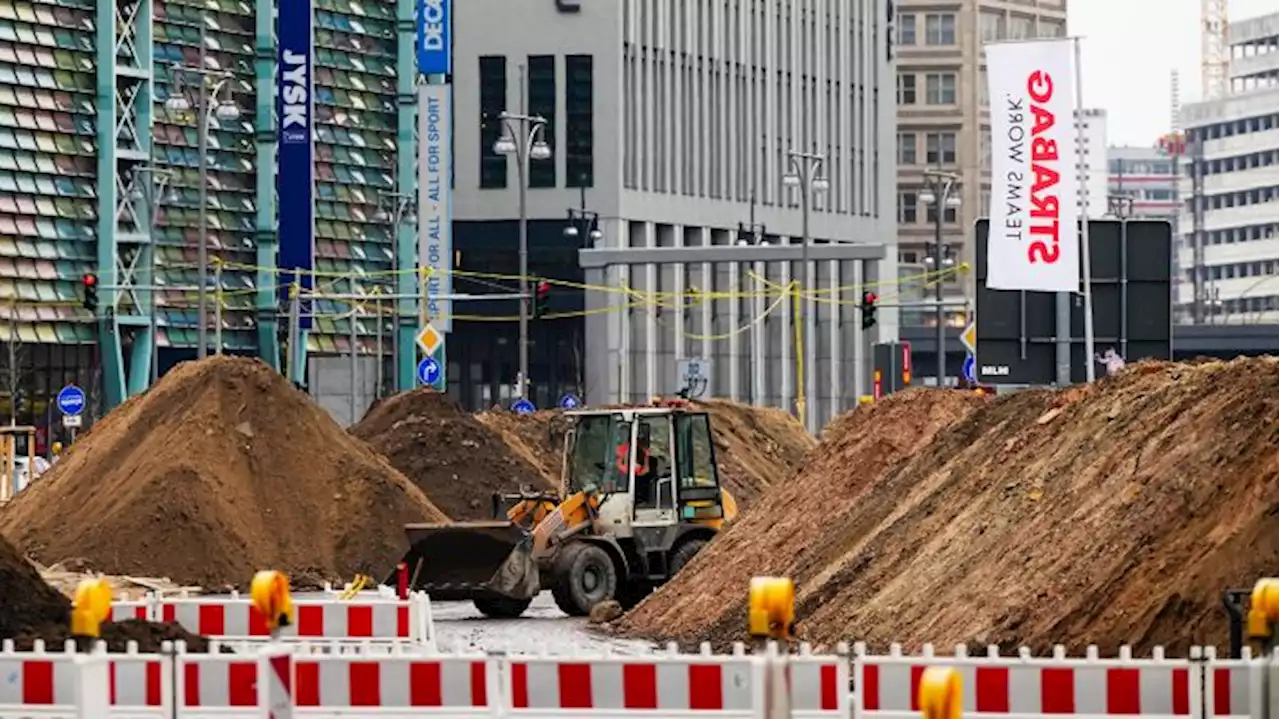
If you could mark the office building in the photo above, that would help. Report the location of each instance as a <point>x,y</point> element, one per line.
<point>1227,249</point>
<point>1093,160</point>
<point>670,122</point>
<point>1146,179</point>
<point>944,120</point>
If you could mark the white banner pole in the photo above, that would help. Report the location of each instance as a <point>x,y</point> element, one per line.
<point>1090,361</point>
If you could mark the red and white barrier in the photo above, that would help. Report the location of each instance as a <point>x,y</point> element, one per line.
<point>47,684</point>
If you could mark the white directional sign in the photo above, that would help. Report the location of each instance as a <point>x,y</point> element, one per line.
<point>429,339</point>
<point>695,376</point>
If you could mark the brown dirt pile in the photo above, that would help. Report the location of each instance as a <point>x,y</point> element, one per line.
<point>1111,514</point>
<point>221,469</point>
<point>755,446</point>
<point>30,609</point>
<point>454,459</point>
<point>708,599</point>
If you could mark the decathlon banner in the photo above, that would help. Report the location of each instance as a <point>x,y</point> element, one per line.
<point>434,49</point>
<point>435,199</point>
<point>1033,244</point>
<point>295,181</point>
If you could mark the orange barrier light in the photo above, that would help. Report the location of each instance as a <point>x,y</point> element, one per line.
<point>270,594</point>
<point>772,607</point>
<point>91,607</point>
<point>940,693</point>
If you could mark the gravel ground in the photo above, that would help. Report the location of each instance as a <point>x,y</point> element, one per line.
<point>543,628</point>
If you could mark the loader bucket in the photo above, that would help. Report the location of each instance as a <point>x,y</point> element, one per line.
<point>471,560</point>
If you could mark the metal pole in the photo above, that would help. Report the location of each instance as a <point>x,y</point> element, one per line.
<point>351,354</point>
<point>806,304</point>
<point>202,131</point>
<point>522,160</point>
<point>940,192</point>
<point>377,370</point>
<point>1089,363</point>
<point>295,314</point>
<point>13,369</point>
<point>217,309</point>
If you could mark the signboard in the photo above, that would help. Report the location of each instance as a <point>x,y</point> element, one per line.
<point>570,401</point>
<point>891,361</point>
<point>523,406</point>
<point>694,376</point>
<point>72,421</point>
<point>71,400</point>
<point>969,338</point>
<point>429,339</point>
<point>970,369</point>
<point>435,199</point>
<point>1033,159</point>
<point>429,371</point>
<point>435,46</point>
<point>1132,313</point>
<point>295,181</point>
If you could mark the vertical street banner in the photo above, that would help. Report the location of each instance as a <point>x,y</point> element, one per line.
<point>295,180</point>
<point>1034,243</point>
<point>435,210</point>
<point>435,51</point>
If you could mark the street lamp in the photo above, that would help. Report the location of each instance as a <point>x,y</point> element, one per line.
<point>157,192</point>
<point>394,208</point>
<point>208,102</point>
<point>583,221</point>
<point>804,175</point>
<point>940,189</point>
<point>522,137</point>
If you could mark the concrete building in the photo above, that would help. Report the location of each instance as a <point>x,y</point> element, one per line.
<point>1093,165</point>
<point>1146,178</point>
<point>943,117</point>
<point>1228,250</point>
<point>671,122</point>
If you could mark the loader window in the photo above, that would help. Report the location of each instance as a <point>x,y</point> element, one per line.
<point>694,452</point>
<point>591,459</point>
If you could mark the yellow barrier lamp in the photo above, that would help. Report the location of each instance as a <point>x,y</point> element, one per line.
<point>1263,606</point>
<point>270,594</point>
<point>939,695</point>
<point>771,608</point>
<point>91,607</point>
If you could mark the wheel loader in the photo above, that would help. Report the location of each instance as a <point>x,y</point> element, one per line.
<point>640,496</point>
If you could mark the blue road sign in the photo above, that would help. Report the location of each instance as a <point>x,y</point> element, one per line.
<point>71,400</point>
<point>970,368</point>
<point>570,401</point>
<point>428,371</point>
<point>522,406</point>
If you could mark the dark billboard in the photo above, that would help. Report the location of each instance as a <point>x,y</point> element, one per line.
<point>1132,313</point>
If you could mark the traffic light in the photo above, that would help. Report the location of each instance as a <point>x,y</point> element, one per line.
<point>869,300</point>
<point>541,297</point>
<point>91,292</point>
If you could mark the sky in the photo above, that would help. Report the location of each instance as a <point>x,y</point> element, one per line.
<point>1130,47</point>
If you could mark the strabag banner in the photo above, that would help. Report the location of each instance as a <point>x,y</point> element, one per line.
<point>1033,244</point>
<point>435,206</point>
<point>295,180</point>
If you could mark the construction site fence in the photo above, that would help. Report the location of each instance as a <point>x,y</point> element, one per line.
<point>362,621</point>
<point>278,680</point>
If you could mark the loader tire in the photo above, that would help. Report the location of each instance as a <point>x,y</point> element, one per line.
<point>584,576</point>
<point>684,554</point>
<point>502,607</point>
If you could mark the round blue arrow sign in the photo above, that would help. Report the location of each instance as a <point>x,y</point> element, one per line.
<point>522,406</point>
<point>429,371</point>
<point>570,401</point>
<point>71,400</point>
<point>970,368</point>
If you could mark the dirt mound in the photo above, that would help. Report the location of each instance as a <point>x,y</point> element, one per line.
<point>454,459</point>
<point>755,446</point>
<point>708,599</point>
<point>221,469</point>
<point>1107,514</point>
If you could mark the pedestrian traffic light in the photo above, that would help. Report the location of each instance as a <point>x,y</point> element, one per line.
<point>869,301</point>
<point>91,292</point>
<point>541,297</point>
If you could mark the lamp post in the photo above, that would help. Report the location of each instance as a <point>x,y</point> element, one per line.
<point>158,184</point>
<point>804,174</point>
<point>583,223</point>
<point>940,189</point>
<point>395,208</point>
<point>206,103</point>
<point>522,137</point>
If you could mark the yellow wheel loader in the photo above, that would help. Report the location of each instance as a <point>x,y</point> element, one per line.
<point>640,495</point>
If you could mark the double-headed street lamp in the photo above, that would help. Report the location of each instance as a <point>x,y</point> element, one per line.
<point>583,223</point>
<point>522,137</point>
<point>208,101</point>
<point>149,185</point>
<point>805,175</point>
<point>940,191</point>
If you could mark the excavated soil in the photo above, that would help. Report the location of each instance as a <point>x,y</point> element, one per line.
<point>30,610</point>
<point>455,460</point>
<point>1108,514</point>
<point>755,446</point>
<point>221,469</point>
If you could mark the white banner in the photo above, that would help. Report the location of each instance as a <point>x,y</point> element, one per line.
<point>1033,242</point>
<point>435,195</point>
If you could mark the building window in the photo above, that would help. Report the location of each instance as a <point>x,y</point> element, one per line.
<point>906,28</point>
<point>1020,27</point>
<point>940,88</point>
<point>906,89</point>
<point>908,210</point>
<point>493,100</point>
<point>940,148</point>
<point>907,148</point>
<point>949,215</point>
<point>940,29</point>
<point>993,26</point>
<point>579,165</point>
<point>542,103</point>
<point>1053,28</point>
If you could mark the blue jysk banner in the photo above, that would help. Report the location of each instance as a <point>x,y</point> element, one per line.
<point>295,182</point>
<point>434,48</point>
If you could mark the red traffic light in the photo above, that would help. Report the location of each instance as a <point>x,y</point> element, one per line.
<point>90,280</point>
<point>870,298</point>
<point>544,287</point>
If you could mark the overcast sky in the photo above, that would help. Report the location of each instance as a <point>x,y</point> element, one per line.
<point>1130,46</point>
